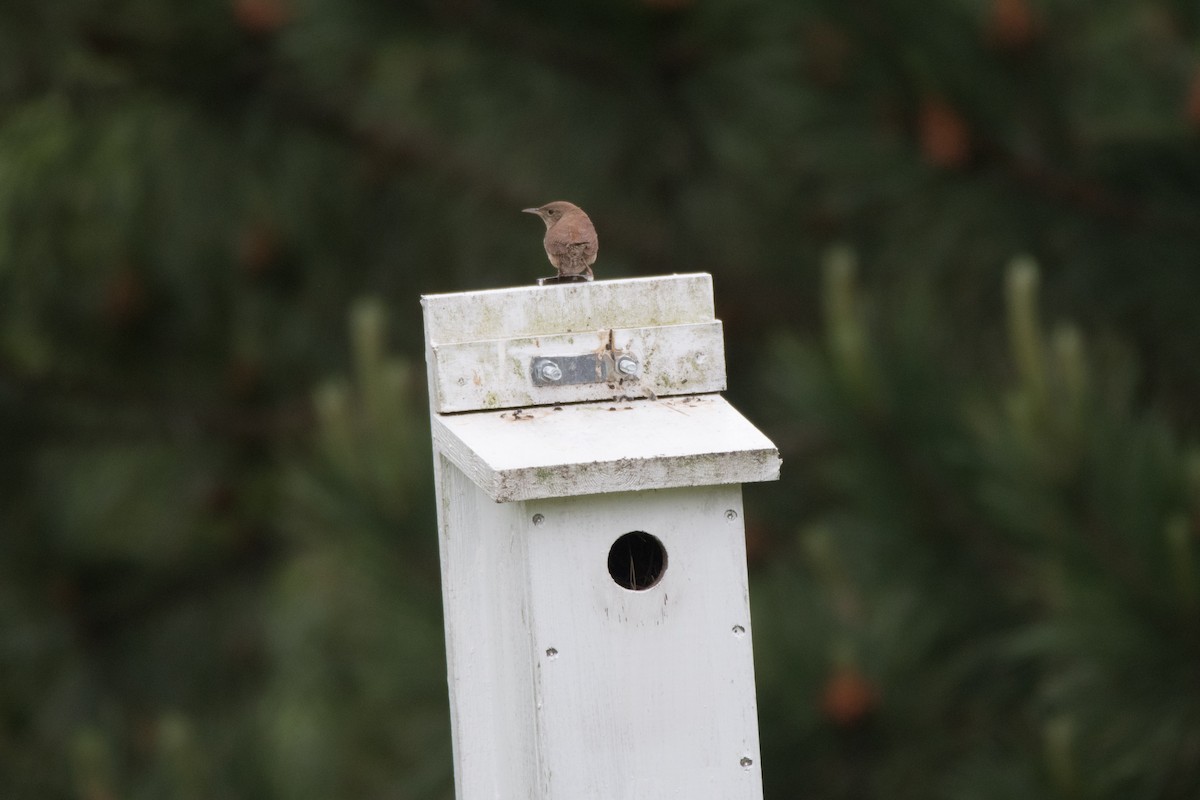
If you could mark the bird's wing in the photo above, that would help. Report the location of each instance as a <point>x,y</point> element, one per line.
<point>569,236</point>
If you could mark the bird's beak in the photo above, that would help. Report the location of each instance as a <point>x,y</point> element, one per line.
<point>530,210</point>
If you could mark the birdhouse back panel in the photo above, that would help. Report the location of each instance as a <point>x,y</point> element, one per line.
<point>567,308</point>
<point>503,373</point>
<point>546,345</point>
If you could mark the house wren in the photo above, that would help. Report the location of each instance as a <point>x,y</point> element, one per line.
<point>570,241</point>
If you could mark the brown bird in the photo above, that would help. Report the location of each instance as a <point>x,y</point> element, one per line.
<point>570,241</point>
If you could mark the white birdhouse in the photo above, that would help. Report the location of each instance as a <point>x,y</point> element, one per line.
<point>592,542</point>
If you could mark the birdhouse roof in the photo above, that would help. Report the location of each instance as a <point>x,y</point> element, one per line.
<point>591,448</point>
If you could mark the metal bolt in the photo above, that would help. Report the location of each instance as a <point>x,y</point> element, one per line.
<point>550,372</point>
<point>627,365</point>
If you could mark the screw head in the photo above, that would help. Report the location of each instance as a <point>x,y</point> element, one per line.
<point>627,365</point>
<point>550,371</point>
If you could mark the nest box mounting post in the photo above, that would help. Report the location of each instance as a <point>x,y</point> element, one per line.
<point>588,478</point>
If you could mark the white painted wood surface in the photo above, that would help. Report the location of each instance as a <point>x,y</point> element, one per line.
<point>563,684</point>
<point>523,311</point>
<point>495,373</point>
<point>489,653</point>
<point>480,345</point>
<point>643,694</point>
<point>592,448</point>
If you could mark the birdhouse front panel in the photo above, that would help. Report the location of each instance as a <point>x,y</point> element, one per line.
<point>640,628</point>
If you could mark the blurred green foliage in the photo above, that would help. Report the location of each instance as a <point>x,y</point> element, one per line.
<point>955,250</point>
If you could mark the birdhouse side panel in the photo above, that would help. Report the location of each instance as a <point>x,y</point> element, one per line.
<point>488,649</point>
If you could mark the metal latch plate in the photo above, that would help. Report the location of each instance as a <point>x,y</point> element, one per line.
<point>587,368</point>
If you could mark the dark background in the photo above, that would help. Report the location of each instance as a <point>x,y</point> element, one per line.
<point>956,249</point>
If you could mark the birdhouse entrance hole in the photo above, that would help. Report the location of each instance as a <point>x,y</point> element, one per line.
<point>637,560</point>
